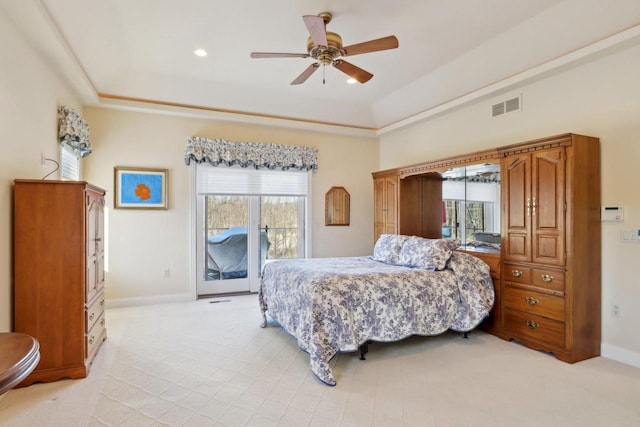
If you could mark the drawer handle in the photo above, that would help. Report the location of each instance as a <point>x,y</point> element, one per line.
<point>102,322</point>
<point>92,339</point>
<point>531,300</point>
<point>531,324</point>
<point>102,302</point>
<point>91,316</point>
<point>516,273</point>
<point>546,277</point>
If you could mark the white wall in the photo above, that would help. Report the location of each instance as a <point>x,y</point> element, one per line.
<point>141,244</point>
<point>29,97</point>
<point>601,98</point>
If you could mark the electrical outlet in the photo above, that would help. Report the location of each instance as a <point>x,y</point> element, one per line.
<point>43,160</point>
<point>167,272</point>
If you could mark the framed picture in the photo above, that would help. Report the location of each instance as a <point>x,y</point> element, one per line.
<point>140,188</point>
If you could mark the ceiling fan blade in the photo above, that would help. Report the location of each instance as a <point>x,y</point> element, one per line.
<point>306,73</point>
<point>317,30</point>
<point>389,42</point>
<point>278,55</point>
<point>352,71</point>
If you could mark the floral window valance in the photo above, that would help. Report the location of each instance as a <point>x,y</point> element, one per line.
<point>258,155</point>
<point>73,132</point>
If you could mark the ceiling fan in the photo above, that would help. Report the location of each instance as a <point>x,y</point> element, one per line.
<point>326,48</point>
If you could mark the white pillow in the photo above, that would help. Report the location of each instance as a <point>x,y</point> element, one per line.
<point>430,254</point>
<point>387,248</point>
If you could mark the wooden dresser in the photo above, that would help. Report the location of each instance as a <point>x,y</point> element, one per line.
<point>551,293</point>
<point>59,274</point>
<point>547,274</point>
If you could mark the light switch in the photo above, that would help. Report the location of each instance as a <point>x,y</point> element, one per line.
<point>631,236</point>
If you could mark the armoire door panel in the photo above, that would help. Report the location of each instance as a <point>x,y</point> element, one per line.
<point>391,201</point>
<point>92,284</point>
<point>517,215</point>
<point>378,209</point>
<point>518,192</point>
<point>547,248</point>
<point>518,247</point>
<point>385,202</point>
<point>546,202</point>
<point>548,199</point>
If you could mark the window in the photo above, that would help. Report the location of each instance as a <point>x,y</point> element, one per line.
<point>69,165</point>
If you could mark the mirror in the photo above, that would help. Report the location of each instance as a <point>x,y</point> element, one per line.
<point>337,206</point>
<point>471,206</point>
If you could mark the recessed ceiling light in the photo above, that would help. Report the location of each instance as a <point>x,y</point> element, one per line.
<point>200,52</point>
<point>352,81</point>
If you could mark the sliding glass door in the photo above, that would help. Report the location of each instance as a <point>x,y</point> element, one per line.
<point>225,244</point>
<point>245,218</point>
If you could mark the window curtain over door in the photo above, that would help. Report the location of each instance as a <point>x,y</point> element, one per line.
<point>251,154</point>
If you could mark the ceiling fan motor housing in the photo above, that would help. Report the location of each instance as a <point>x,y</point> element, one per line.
<point>326,55</point>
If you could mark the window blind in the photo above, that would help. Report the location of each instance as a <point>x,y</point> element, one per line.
<point>251,182</point>
<point>69,165</point>
<point>453,190</point>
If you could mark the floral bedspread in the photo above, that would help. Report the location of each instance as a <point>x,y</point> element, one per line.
<point>335,305</point>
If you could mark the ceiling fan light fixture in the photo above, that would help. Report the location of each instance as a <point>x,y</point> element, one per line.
<point>326,48</point>
<point>200,52</point>
<point>351,81</point>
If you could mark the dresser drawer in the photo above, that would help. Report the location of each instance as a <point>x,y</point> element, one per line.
<point>516,273</point>
<point>94,311</point>
<point>549,279</point>
<point>95,336</point>
<point>534,303</point>
<point>538,328</point>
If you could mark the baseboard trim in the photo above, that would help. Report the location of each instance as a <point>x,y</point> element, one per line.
<point>151,300</point>
<point>620,354</point>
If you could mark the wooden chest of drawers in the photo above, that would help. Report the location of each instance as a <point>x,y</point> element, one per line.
<point>534,306</point>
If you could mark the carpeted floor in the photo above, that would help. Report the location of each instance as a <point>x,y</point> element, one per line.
<point>204,364</point>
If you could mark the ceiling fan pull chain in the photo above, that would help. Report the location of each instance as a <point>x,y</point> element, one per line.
<point>324,67</point>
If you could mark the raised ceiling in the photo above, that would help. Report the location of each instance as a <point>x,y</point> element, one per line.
<point>143,50</point>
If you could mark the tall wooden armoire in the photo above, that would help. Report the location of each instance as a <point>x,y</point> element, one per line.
<point>59,274</point>
<point>551,292</point>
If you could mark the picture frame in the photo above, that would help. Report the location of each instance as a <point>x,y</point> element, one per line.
<point>140,188</point>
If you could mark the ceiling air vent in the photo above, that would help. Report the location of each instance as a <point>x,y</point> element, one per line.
<point>508,106</point>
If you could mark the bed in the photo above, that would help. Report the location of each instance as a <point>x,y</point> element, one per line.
<point>410,286</point>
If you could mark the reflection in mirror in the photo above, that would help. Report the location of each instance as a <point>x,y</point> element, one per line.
<point>471,206</point>
<point>337,206</point>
